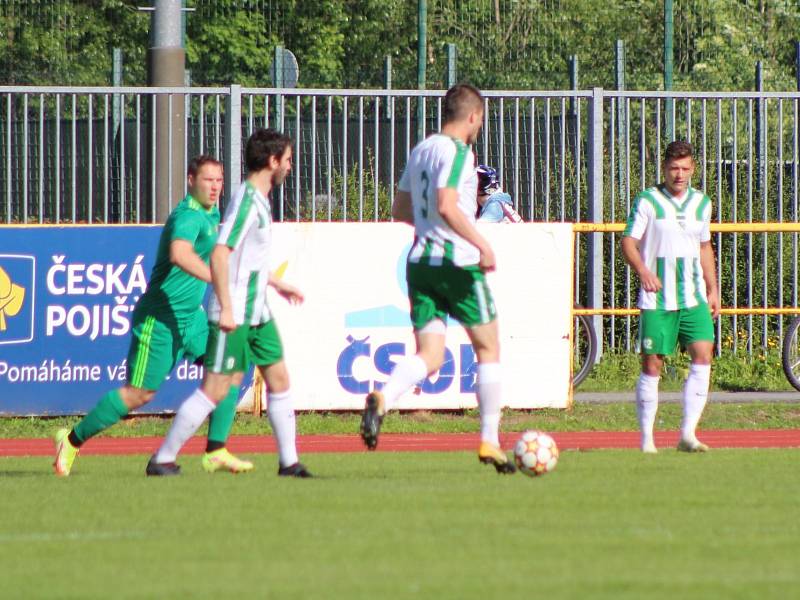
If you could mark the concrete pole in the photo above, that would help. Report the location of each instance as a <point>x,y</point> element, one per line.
<point>166,62</point>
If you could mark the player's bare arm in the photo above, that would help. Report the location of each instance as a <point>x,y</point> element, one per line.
<point>710,276</point>
<point>630,250</point>
<point>219,279</point>
<point>289,292</point>
<point>183,256</point>
<point>402,210</point>
<point>447,201</point>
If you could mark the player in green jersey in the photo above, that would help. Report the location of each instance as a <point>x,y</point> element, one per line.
<point>168,322</point>
<point>667,242</point>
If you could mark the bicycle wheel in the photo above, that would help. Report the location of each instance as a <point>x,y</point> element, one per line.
<point>790,357</point>
<point>584,349</point>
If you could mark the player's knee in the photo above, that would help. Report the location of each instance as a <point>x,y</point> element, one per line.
<point>277,377</point>
<point>134,397</point>
<point>433,358</point>
<point>652,364</point>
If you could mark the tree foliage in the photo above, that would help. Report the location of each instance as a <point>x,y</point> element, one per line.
<point>502,44</point>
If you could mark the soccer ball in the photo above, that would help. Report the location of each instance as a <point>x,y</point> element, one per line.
<point>535,453</point>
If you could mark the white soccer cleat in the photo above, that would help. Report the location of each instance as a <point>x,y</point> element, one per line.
<point>649,446</point>
<point>691,445</point>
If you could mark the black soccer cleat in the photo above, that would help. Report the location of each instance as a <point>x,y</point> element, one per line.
<point>155,469</point>
<point>371,419</point>
<point>295,470</point>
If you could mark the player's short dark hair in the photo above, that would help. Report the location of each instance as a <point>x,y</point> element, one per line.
<point>262,145</point>
<point>678,149</point>
<point>200,161</point>
<point>460,100</point>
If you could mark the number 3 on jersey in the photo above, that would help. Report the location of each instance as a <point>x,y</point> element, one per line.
<point>425,181</point>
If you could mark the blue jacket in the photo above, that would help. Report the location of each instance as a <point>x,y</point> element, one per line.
<point>493,210</point>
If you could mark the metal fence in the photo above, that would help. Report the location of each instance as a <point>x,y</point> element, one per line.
<point>70,155</point>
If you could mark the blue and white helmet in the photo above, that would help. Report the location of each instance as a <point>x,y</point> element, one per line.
<point>488,182</point>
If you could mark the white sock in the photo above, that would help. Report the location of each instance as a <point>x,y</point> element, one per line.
<point>406,373</point>
<point>695,395</point>
<point>647,405</point>
<point>187,421</point>
<point>280,411</point>
<point>489,401</point>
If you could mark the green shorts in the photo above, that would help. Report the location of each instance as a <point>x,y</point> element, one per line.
<point>157,346</point>
<point>234,352</point>
<point>661,330</point>
<point>460,292</point>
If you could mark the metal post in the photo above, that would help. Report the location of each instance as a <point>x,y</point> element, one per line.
<point>594,267</point>
<point>166,64</point>
<point>233,141</point>
<point>422,45</point>
<point>761,179</point>
<point>669,33</point>
<point>797,64</point>
<point>116,81</point>
<point>387,79</point>
<point>278,84</point>
<point>573,81</point>
<point>452,67</point>
<point>619,76</point>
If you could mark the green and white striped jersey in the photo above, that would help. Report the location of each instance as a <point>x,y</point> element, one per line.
<point>440,162</point>
<point>247,231</point>
<point>670,231</point>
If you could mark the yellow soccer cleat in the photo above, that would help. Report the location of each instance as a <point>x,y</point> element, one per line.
<point>489,454</point>
<point>225,461</point>
<point>65,453</point>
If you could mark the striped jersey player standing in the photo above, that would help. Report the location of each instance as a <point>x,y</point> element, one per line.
<point>437,194</point>
<point>667,242</point>
<point>242,328</point>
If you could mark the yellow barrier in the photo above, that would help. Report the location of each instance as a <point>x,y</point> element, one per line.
<point>715,227</point>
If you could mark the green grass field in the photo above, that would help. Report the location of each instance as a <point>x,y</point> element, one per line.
<point>605,524</point>
<point>616,416</point>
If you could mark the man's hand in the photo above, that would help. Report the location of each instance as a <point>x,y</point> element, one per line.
<point>226,322</point>
<point>650,281</point>
<point>713,302</point>
<point>487,262</point>
<point>287,291</point>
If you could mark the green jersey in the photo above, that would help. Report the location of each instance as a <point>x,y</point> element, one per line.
<point>173,294</point>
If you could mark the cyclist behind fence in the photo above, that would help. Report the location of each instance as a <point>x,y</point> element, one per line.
<point>494,205</point>
<point>667,242</point>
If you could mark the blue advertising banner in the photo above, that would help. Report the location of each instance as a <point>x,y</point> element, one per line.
<point>66,299</point>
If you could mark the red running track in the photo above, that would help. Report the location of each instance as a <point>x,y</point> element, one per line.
<point>416,442</point>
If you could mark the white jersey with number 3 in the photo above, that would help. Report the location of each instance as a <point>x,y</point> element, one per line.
<point>436,163</point>
<point>247,231</point>
<point>670,231</point>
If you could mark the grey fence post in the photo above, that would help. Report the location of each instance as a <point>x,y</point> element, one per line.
<point>233,141</point>
<point>594,254</point>
<point>278,84</point>
<point>452,65</point>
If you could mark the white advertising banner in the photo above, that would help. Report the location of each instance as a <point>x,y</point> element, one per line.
<point>343,341</point>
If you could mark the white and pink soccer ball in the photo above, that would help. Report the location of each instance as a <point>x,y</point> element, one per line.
<point>535,453</point>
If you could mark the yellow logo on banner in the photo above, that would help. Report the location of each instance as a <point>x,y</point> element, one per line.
<point>11,298</point>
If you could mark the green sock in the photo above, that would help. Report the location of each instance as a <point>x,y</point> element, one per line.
<point>108,411</point>
<point>221,420</point>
